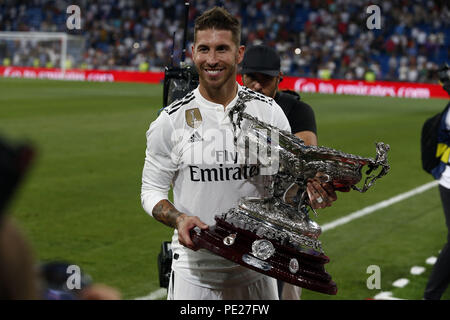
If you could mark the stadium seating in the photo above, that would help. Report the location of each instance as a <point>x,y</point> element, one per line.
<point>412,42</point>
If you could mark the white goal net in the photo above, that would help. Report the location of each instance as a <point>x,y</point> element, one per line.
<point>41,49</point>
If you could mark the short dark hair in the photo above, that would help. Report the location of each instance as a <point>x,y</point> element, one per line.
<point>220,19</point>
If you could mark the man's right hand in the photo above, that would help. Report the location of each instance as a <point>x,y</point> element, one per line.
<point>165,212</point>
<point>184,224</point>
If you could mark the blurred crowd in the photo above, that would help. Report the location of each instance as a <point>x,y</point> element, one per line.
<point>315,38</point>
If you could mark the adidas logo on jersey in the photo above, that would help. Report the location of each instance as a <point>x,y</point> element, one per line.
<point>195,137</point>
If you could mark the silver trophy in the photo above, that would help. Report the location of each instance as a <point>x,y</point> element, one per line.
<point>274,234</point>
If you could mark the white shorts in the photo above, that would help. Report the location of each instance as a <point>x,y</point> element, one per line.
<point>291,292</point>
<point>263,289</point>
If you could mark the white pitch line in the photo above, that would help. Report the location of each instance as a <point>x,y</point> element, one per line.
<point>385,295</point>
<point>417,270</point>
<point>400,283</point>
<point>158,294</point>
<point>380,205</point>
<point>431,260</point>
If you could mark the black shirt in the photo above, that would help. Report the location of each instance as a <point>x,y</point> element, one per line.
<point>300,115</point>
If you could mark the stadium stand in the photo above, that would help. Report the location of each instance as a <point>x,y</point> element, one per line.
<point>332,35</point>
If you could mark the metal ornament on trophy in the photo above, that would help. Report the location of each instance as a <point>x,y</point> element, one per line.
<point>274,234</point>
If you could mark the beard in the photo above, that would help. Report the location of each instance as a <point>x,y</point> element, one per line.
<point>217,81</point>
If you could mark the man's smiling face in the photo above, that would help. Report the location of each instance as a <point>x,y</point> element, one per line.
<point>216,57</point>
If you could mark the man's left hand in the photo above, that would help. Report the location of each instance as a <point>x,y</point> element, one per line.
<point>320,191</point>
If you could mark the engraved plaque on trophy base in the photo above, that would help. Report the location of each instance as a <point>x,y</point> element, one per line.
<point>299,266</point>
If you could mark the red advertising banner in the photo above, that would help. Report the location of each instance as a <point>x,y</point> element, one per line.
<point>81,75</point>
<point>364,88</point>
<point>352,87</point>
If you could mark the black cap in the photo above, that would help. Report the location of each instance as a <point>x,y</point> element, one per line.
<point>261,59</point>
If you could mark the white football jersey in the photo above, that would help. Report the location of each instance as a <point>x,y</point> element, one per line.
<point>191,147</point>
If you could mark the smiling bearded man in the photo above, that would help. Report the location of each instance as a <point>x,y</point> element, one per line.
<point>196,125</point>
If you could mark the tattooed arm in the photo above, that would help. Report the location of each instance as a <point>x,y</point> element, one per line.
<point>160,167</point>
<point>165,212</point>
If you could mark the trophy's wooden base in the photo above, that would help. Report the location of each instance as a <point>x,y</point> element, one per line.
<point>303,268</point>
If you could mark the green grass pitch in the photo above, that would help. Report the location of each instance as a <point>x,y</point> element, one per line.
<point>81,201</point>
